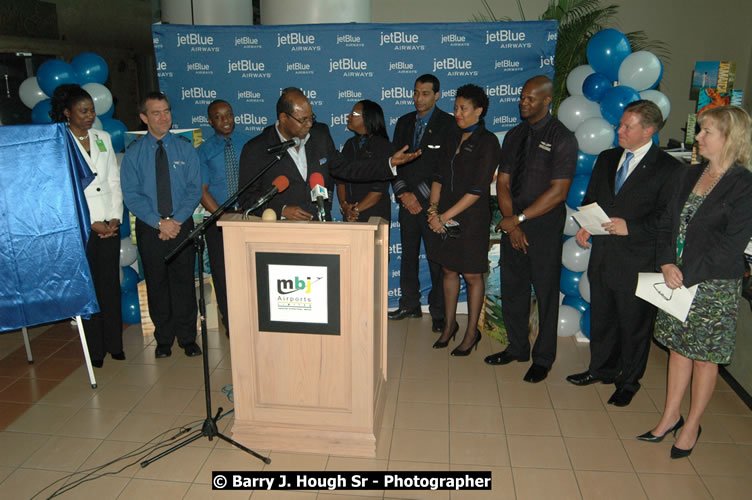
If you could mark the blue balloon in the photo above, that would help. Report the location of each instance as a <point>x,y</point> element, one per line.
<point>108,113</point>
<point>577,302</point>
<point>130,308</point>
<point>585,323</point>
<point>90,68</point>
<point>585,163</point>
<point>656,139</point>
<point>569,283</point>
<point>577,190</point>
<point>606,50</point>
<point>41,112</point>
<point>595,86</point>
<point>117,130</point>
<point>615,100</point>
<point>54,72</point>
<point>130,280</point>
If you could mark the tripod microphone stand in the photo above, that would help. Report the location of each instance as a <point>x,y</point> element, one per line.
<point>197,236</point>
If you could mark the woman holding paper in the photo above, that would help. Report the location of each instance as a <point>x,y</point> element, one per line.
<point>707,227</point>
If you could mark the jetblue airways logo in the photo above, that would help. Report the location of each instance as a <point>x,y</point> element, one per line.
<point>505,92</point>
<point>508,39</point>
<point>338,119</point>
<point>454,40</point>
<point>508,65</point>
<point>299,68</point>
<point>452,63</point>
<point>349,95</point>
<point>350,67</point>
<point>197,93</point>
<point>250,96</point>
<point>402,67</point>
<point>194,39</point>
<point>401,94</point>
<point>298,42</point>
<point>248,68</point>
<point>349,40</point>
<point>401,40</point>
<point>246,40</point>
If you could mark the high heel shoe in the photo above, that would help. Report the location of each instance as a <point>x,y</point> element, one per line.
<point>681,452</point>
<point>458,352</point>
<point>652,438</point>
<point>440,345</point>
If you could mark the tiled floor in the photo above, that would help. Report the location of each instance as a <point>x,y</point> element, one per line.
<point>546,441</point>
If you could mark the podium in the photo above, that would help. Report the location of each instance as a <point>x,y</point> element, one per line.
<point>307,306</point>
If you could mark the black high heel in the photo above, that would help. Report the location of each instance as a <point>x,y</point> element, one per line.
<point>440,345</point>
<point>681,452</point>
<point>466,352</point>
<point>652,438</point>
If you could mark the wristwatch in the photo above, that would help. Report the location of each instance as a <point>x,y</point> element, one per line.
<point>521,218</point>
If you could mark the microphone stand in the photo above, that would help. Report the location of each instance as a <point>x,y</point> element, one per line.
<point>198,237</point>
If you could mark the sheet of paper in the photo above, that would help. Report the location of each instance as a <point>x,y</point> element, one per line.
<point>591,218</point>
<point>676,302</point>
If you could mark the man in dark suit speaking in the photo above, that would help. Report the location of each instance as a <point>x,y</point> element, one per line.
<point>632,183</point>
<point>315,154</point>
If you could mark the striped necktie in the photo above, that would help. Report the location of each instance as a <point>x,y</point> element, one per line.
<point>621,175</point>
<point>231,168</point>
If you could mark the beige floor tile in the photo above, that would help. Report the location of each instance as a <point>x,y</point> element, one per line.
<point>92,423</point>
<point>475,418</point>
<point>384,443</point>
<point>662,486</point>
<point>596,485</point>
<point>538,484</point>
<point>62,453</point>
<point>138,489</point>
<point>167,400</point>
<point>538,452</point>
<point>640,402</point>
<point>513,372</point>
<point>431,369</point>
<point>204,491</point>
<point>531,421</point>
<point>397,465</point>
<point>142,427</point>
<point>655,375</point>
<point>420,446</point>
<point>629,425</point>
<point>181,465</point>
<point>25,483</point>
<point>422,416</point>
<point>100,489</point>
<point>658,397</point>
<point>714,429</point>
<point>296,461</point>
<point>654,458</point>
<point>424,391</point>
<point>605,455</point>
<point>196,407</point>
<point>119,458</point>
<point>523,395</point>
<point>221,459</point>
<point>43,419</point>
<point>585,424</point>
<point>470,369</point>
<point>18,447</point>
<point>728,488</point>
<point>220,379</point>
<point>570,397</point>
<point>117,397</point>
<point>143,374</point>
<point>738,427</point>
<point>727,403</point>
<point>5,472</point>
<point>64,395</point>
<point>183,377</point>
<point>502,485</point>
<point>478,449</point>
<point>473,393</point>
<point>720,459</point>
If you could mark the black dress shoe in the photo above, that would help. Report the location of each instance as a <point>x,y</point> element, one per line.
<point>97,363</point>
<point>437,325</point>
<point>163,351</point>
<point>192,349</point>
<point>587,378</point>
<point>652,438</point>
<point>681,452</point>
<point>621,397</point>
<point>536,374</point>
<point>504,357</point>
<point>405,313</point>
<point>120,356</point>
<point>459,352</point>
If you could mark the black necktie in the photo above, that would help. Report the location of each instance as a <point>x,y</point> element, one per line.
<point>164,193</point>
<point>519,169</point>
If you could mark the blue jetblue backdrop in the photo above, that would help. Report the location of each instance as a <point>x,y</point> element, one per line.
<point>337,65</point>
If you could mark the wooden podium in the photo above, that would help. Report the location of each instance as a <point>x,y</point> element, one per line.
<point>307,306</point>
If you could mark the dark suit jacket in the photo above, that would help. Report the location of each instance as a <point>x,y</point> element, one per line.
<point>719,230</point>
<point>641,200</point>
<point>322,157</point>
<point>421,170</point>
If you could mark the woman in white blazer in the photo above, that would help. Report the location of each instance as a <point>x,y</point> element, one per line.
<point>73,105</point>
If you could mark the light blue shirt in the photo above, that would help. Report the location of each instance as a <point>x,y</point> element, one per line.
<point>211,154</point>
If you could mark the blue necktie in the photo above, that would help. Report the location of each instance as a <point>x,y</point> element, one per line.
<point>420,127</point>
<point>621,175</point>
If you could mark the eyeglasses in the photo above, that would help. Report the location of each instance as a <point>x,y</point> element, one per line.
<point>355,114</point>
<point>304,121</point>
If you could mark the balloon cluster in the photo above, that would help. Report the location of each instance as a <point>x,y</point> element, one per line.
<point>592,111</point>
<point>129,303</point>
<point>88,70</point>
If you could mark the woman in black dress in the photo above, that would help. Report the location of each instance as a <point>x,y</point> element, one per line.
<point>360,200</point>
<point>708,225</point>
<point>459,212</point>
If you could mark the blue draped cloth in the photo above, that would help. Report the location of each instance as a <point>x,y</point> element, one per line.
<point>44,227</point>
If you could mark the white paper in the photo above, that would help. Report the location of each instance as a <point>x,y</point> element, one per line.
<point>676,302</point>
<point>591,218</point>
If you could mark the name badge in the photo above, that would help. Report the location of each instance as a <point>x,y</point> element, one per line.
<point>101,146</point>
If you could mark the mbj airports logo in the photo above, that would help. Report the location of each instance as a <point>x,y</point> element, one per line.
<point>350,67</point>
<point>296,285</point>
<point>508,39</point>
<point>401,40</point>
<point>298,42</point>
<point>349,40</point>
<point>454,40</point>
<point>454,66</point>
<point>197,42</point>
<point>401,95</point>
<point>248,68</point>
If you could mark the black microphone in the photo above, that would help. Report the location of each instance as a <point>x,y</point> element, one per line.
<point>283,146</point>
<point>319,193</point>
<point>278,185</point>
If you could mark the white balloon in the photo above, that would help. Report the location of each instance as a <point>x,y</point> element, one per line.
<point>576,77</point>
<point>97,124</point>
<point>122,275</point>
<point>595,135</point>
<point>30,93</point>
<point>128,252</point>
<point>570,226</point>
<point>585,287</point>
<point>101,96</point>
<point>660,99</point>
<point>574,257</point>
<point>640,70</point>
<point>576,109</point>
<point>569,321</point>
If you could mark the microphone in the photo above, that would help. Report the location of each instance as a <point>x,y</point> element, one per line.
<point>319,193</point>
<point>284,146</point>
<point>278,185</point>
